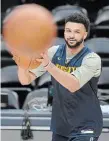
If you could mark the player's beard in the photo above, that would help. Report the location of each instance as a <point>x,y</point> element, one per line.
<point>76,45</point>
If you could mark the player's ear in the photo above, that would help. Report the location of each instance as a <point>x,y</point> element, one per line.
<point>85,35</point>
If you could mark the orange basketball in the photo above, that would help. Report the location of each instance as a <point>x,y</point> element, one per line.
<point>29,29</point>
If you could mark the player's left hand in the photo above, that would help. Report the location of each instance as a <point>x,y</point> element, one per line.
<point>45,59</point>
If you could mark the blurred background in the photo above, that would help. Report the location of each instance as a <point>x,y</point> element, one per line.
<point>36,98</point>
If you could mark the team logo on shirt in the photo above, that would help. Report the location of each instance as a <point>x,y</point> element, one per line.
<point>59,58</point>
<point>66,69</point>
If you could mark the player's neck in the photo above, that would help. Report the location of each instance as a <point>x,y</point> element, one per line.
<point>74,51</point>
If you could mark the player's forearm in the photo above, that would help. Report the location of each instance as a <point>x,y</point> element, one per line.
<point>66,79</point>
<point>25,77</point>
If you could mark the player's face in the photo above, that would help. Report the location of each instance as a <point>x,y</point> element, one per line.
<point>74,34</point>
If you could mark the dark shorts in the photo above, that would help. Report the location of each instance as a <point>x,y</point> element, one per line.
<point>56,137</point>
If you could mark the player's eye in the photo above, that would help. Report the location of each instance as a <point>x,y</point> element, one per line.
<point>67,30</point>
<point>77,31</point>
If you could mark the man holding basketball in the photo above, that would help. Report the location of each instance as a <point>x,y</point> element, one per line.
<point>75,70</point>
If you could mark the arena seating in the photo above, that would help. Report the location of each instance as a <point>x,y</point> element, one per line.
<point>9,99</point>
<point>9,80</point>
<point>61,12</point>
<point>36,99</point>
<point>100,45</point>
<point>101,23</point>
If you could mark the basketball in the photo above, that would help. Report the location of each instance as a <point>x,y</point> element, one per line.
<point>29,30</point>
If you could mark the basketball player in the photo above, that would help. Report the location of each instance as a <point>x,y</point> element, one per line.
<point>75,70</point>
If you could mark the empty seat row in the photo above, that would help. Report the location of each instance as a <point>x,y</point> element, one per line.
<point>100,23</point>
<point>39,99</point>
<point>45,82</point>
<point>9,77</point>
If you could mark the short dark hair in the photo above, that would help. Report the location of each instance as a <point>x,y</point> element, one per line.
<point>79,17</point>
